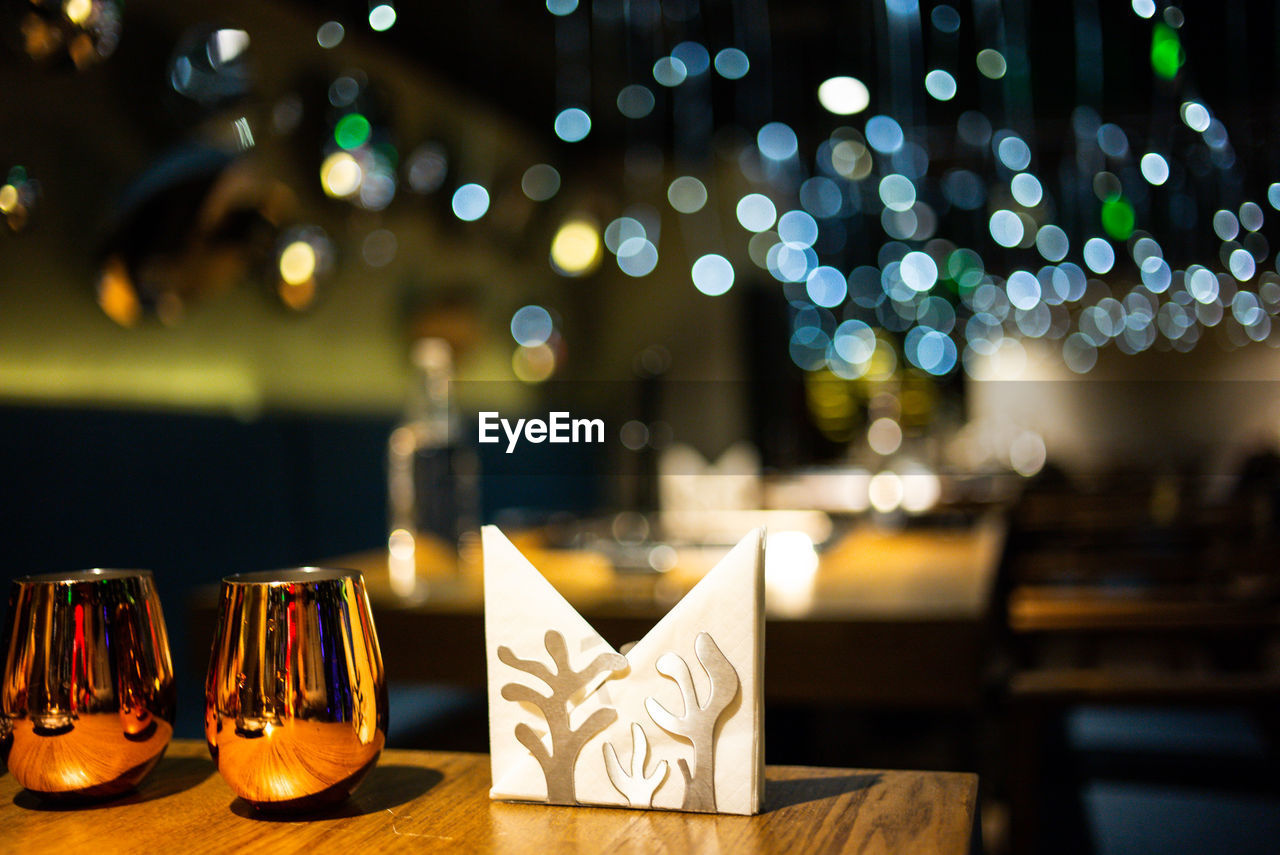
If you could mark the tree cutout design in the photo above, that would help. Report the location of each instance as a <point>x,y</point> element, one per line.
<point>557,763</point>
<point>698,723</point>
<point>637,787</point>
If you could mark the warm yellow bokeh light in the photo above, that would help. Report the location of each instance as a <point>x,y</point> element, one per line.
<point>298,297</point>
<point>297,262</point>
<point>575,250</point>
<point>8,198</point>
<point>116,295</point>
<point>78,11</point>
<point>340,175</point>
<point>533,364</point>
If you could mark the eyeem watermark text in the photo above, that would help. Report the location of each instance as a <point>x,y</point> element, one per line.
<point>559,427</point>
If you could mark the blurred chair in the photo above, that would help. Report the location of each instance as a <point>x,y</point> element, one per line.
<point>1138,613</point>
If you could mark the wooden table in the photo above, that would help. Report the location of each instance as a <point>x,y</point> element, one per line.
<point>438,802</point>
<point>892,618</point>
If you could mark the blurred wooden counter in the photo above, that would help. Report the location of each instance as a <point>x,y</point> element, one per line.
<point>438,802</point>
<point>892,618</point>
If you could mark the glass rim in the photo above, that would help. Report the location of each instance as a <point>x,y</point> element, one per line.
<point>292,576</point>
<point>94,574</point>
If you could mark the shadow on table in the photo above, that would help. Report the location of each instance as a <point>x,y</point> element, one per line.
<point>174,775</point>
<point>388,786</point>
<point>781,794</point>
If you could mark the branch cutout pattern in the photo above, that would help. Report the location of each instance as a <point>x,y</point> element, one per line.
<point>697,725</point>
<point>637,787</point>
<point>566,742</point>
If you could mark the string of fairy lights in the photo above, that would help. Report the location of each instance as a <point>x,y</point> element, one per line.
<point>895,243</point>
<point>932,301</point>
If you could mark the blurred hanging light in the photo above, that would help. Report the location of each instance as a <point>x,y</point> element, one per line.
<point>470,202</point>
<point>116,294</point>
<point>533,364</point>
<point>382,16</point>
<point>573,124</point>
<point>18,197</point>
<point>540,182</point>
<point>297,263</point>
<point>732,64</point>
<point>1167,56</point>
<point>843,96</point>
<point>304,255</point>
<point>531,326</point>
<point>340,175</point>
<point>82,31</point>
<point>360,160</point>
<point>991,64</point>
<point>712,275</point>
<point>330,35</point>
<point>575,249</point>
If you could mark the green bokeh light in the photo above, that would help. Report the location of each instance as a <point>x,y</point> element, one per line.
<point>1117,217</point>
<point>1166,51</point>
<point>352,131</point>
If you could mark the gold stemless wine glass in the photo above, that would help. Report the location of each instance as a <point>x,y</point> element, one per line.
<point>296,698</point>
<point>86,709</point>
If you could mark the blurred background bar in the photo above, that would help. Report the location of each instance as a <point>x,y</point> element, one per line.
<point>969,304</point>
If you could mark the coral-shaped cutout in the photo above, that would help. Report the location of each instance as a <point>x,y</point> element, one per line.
<point>558,762</point>
<point>637,787</point>
<point>698,723</point>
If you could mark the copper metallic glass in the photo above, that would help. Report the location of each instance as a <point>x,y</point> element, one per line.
<point>87,704</point>
<point>296,698</point>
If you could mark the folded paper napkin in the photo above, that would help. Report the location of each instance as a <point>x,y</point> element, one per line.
<point>676,723</point>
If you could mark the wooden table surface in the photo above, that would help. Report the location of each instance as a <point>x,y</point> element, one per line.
<point>901,611</point>
<point>438,802</point>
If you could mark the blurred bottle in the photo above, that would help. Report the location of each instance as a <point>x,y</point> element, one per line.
<point>432,476</point>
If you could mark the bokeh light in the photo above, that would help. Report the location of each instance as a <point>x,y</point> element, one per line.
<point>330,35</point>
<point>777,141</point>
<point>756,212</point>
<point>712,275</point>
<point>470,202</point>
<point>732,64</point>
<point>572,124</point>
<point>531,325</point>
<point>687,194</point>
<point>297,262</point>
<point>637,256</point>
<point>1026,189</point>
<point>694,55</point>
<point>843,95</point>
<point>940,84</point>
<point>382,17</point>
<point>826,286</point>
<point>352,131</point>
<point>945,18</point>
<point>635,101</point>
<point>884,436</point>
<point>884,134</point>
<point>533,364</point>
<point>991,64</point>
<point>669,71</point>
<point>1099,255</point>
<point>540,182</point>
<point>575,249</point>
<point>1006,228</point>
<point>340,175</point>
<point>1155,168</point>
<point>427,167</point>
